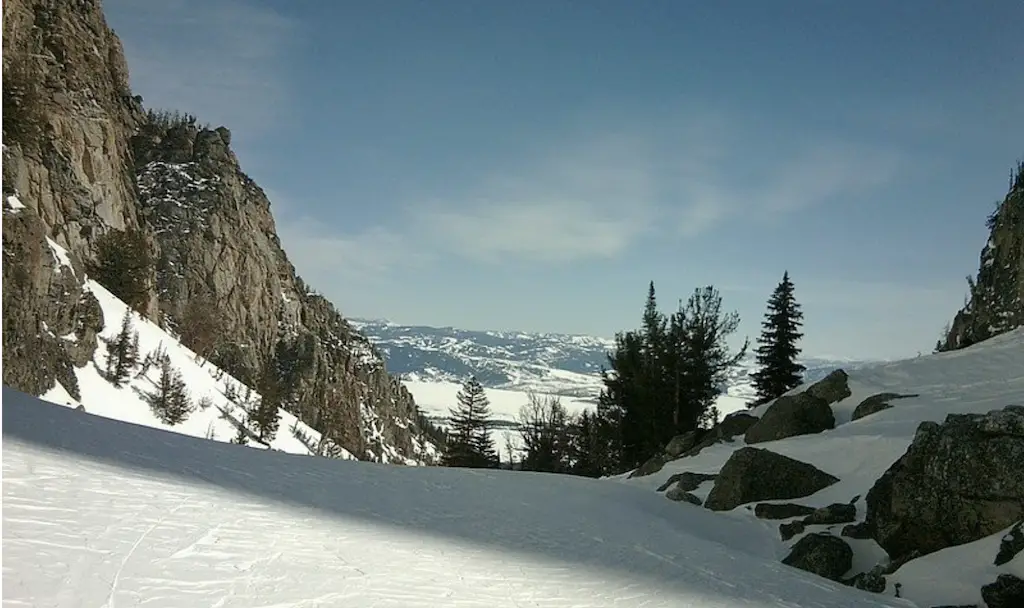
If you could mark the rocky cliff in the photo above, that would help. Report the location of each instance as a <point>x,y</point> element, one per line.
<point>83,157</point>
<point>996,297</point>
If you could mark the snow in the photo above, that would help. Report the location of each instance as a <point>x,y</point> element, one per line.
<point>928,581</point>
<point>978,379</point>
<point>14,205</point>
<point>99,512</point>
<point>60,255</point>
<point>219,421</point>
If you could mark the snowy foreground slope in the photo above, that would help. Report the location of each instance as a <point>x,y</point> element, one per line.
<point>98,512</point>
<point>984,377</point>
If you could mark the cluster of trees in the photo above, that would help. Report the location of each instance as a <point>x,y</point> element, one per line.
<point>663,380</point>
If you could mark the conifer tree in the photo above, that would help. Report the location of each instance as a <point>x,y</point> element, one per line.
<point>170,400</point>
<point>122,352</point>
<point>777,351</point>
<point>469,441</point>
<point>266,415</point>
<point>544,424</point>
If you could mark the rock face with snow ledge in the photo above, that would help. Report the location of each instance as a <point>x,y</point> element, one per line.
<point>83,157</point>
<point>959,481</point>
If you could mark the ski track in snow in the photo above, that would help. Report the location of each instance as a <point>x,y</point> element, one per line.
<point>109,514</point>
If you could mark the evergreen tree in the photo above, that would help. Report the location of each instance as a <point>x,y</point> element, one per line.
<point>122,352</point>
<point>469,442</point>
<point>124,265</point>
<point>544,425</point>
<point>242,435</point>
<point>778,370</point>
<point>266,415</point>
<point>704,356</point>
<point>170,401</point>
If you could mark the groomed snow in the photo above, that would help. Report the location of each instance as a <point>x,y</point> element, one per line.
<point>978,379</point>
<point>99,512</point>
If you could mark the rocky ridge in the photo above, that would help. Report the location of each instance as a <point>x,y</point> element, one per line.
<point>83,157</point>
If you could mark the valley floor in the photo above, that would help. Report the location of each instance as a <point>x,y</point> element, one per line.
<point>98,512</point>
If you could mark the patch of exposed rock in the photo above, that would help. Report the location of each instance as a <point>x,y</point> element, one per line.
<point>1011,544</point>
<point>822,554</point>
<point>691,443</point>
<point>767,510</point>
<point>755,474</point>
<point>959,481</point>
<point>875,404</point>
<point>1007,591</point>
<point>833,388</point>
<point>49,323</point>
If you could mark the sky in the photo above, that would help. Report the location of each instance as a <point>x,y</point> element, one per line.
<point>532,165</point>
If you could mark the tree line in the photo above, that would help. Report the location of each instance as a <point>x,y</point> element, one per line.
<point>661,380</point>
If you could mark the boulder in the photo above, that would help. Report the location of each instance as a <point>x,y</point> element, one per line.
<point>679,495</point>
<point>959,481</point>
<point>836,513</point>
<point>822,554</point>
<point>651,466</point>
<point>1011,545</point>
<point>790,529</point>
<point>1006,592</point>
<point>755,474</point>
<point>731,426</point>
<point>833,388</point>
<point>791,415</point>
<point>872,580</point>
<point>686,481</point>
<point>691,443</point>
<point>787,510</point>
<point>875,404</point>
<point>681,443</point>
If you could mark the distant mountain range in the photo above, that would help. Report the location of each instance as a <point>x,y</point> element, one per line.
<point>558,364</point>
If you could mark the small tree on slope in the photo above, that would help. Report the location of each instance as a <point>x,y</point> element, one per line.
<point>170,401</point>
<point>122,352</point>
<point>469,441</point>
<point>778,371</point>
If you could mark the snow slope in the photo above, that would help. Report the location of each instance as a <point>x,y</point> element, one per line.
<point>984,377</point>
<point>219,420</point>
<point>99,512</point>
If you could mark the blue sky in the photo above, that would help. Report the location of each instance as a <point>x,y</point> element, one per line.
<point>532,165</point>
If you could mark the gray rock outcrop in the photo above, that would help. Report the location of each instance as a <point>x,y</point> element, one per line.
<point>959,481</point>
<point>767,510</point>
<point>996,296</point>
<point>755,474</point>
<point>1010,545</point>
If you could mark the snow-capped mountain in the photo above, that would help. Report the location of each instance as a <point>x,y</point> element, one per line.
<point>559,364</point>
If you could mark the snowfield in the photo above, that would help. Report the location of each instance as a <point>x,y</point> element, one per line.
<point>99,512</point>
<point>984,377</point>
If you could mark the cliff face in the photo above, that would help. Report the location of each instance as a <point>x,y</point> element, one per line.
<point>996,298</point>
<point>83,157</point>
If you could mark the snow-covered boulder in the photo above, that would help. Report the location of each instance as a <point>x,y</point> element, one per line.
<point>791,415</point>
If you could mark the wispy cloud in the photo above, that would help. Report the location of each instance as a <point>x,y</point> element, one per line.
<point>221,60</point>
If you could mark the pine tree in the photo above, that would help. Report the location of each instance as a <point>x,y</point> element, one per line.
<point>469,442</point>
<point>124,265</point>
<point>778,370</point>
<point>704,357</point>
<point>266,415</point>
<point>242,435</point>
<point>170,400</point>
<point>544,425</point>
<point>122,352</point>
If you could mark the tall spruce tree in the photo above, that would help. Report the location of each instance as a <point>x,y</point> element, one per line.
<point>778,370</point>
<point>469,441</point>
<point>704,360</point>
<point>122,352</point>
